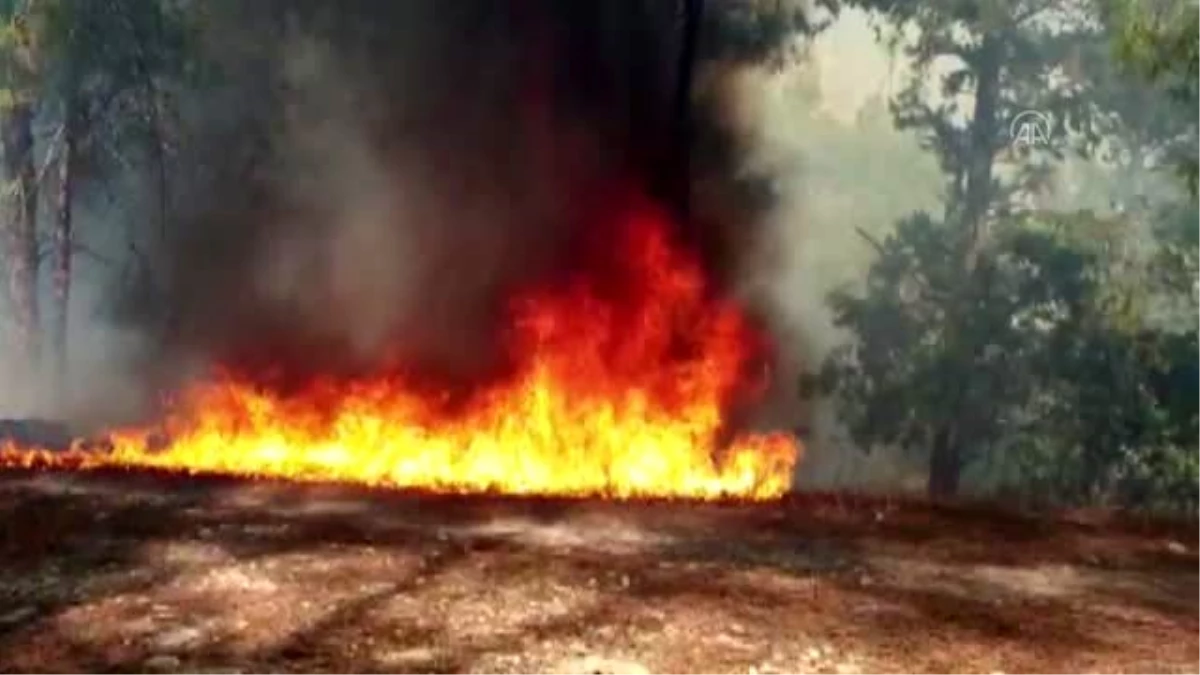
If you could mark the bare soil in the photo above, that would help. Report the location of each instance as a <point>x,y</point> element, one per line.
<point>140,572</point>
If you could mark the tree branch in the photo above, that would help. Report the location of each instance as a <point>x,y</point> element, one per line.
<point>51,152</point>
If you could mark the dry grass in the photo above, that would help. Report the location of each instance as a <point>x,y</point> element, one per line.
<point>117,573</point>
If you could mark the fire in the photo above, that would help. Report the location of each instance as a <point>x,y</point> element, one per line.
<point>618,391</point>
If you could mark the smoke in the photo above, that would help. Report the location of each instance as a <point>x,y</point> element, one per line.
<point>102,386</point>
<point>394,171</point>
<point>378,216</point>
<point>364,186</point>
<point>391,242</point>
<point>820,129</point>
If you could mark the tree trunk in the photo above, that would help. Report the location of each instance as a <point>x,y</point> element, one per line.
<point>983,134</point>
<point>946,457</point>
<point>945,464</point>
<point>693,13</point>
<point>64,244</point>
<point>21,256</point>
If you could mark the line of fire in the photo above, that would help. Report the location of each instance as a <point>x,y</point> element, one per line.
<point>619,367</point>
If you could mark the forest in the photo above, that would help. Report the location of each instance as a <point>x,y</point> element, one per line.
<point>612,336</point>
<point>1013,320</point>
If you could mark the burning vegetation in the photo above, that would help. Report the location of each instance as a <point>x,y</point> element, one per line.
<point>547,273</point>
<point>471,308</point>
<point>619,383</point>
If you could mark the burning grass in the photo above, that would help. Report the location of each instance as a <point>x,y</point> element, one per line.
<point>621,380</point>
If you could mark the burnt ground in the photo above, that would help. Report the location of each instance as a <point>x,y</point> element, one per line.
<point>148,572</point>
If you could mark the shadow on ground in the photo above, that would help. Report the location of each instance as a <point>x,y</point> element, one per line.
<point>142,574</point>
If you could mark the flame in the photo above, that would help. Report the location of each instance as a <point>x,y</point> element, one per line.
<point>616,393</point>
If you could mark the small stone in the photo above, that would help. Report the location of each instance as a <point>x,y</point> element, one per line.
<point>1177,548</point>
<point>597,665</point>
<point>162,663</point>
<point>730,641</point>
<point>177,638</point>
<point>415,657</point>
<point>624,581</point>
<point>813,653</point>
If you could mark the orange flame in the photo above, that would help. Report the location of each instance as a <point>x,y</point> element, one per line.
<point>616,397</point>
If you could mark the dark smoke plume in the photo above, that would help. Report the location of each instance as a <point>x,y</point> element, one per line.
<point>369,181</point>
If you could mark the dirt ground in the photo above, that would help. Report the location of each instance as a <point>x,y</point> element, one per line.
<point>153,573</point>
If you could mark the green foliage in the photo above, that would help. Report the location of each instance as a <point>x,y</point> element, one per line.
<point>1049,345</point>
<point>1159,42</point>
<point>1119,421</point>
<point>994,59</point>
<point>758,30</point>
<point>1054,378</point>
<point>1025,54</point>
<point>1176,264</point>
<point>931,346</point>
<point>108,61</point>
<point>18,67</point>
<point>109,68</point>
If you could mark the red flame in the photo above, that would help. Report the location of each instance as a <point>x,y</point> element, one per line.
<point>619,389</point>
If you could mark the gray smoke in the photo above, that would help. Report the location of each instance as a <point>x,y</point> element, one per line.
<point>401,192</point>
<point>364,185</point>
